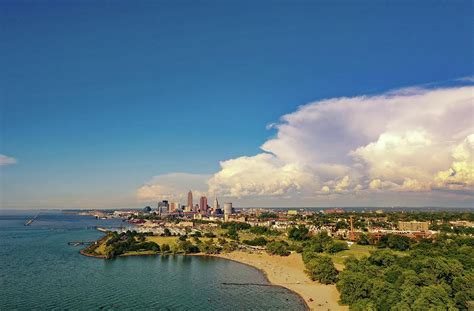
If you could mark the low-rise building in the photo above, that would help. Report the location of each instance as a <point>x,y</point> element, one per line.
<point>413,225</point>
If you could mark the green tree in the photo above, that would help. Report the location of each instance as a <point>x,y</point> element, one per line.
<point>353,286</point>
<point>209,247</point>
<point>187,247</point>
<point>463,288</point>
<point>321,268</point>
<point>299,233</point>
<point>383,258</point>
<point>384,294</point>
<point>363,240</point>
<point>267,215</point>
<point>335,247</point>
<point>167,232</point>
<point>230,246</point>
<point>165,248</point>
<point>342,225</point>
<point>209,235</point>
<point>278,248</point>
<point>237,226</point>
<point>258,241</point>
<point>433,297</point>
<point>232,233</point>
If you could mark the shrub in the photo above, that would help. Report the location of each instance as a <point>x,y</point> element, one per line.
<point>278,248</point>
<point>258,241</point>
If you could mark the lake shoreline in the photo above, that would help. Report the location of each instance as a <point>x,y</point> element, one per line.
<point>265,274</point>
<point>288,272</point>
<point>291,275</point>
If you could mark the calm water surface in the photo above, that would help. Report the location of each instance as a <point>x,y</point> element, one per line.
<point>38,270</point>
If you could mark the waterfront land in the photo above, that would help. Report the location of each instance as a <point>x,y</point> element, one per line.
<point>286,271</point>
<point>333,261</point>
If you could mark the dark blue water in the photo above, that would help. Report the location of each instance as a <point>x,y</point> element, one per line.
<point>38,270</point>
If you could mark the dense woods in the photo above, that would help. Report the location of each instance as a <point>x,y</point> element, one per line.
<point>433,275</point>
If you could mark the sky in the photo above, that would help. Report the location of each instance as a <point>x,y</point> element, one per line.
<point>262,103</point>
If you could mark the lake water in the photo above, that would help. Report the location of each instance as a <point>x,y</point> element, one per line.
<point>39,270</point>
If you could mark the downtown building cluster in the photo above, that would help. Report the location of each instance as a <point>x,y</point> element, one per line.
<point>167,208</point>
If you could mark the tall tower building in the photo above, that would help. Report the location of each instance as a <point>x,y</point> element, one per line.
<point>216,204</point>
<point>203,205</point>
<point>190,201</point>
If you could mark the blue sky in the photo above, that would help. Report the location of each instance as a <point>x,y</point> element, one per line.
<point>98,97</point>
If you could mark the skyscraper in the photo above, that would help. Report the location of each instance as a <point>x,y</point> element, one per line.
<point>190,201</point>
<point>163,207</point>
<point>216,210</point>
<point>203,205</point>
<point>216,204</point>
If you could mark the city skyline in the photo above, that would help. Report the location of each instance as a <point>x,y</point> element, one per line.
<point>264,106</point>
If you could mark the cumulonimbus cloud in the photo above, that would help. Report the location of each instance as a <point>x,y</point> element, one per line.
<point>411,140</point>
<point>6,160</point>
<point>173,187</point>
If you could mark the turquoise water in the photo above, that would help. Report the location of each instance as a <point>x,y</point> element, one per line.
<point>38,270</point>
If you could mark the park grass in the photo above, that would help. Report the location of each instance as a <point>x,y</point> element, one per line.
<point>355,250</point>
<point>246,235</point>
<point>101,249</point>
<point>160,240</point>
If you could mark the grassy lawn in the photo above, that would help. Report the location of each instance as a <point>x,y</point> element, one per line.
<point>245,235</point>
<point>355,250</point>
<point>98,249</point>
<point>101,248</point>
<point>160,240</point>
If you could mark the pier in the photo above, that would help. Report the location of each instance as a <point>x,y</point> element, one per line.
<point>30,221</point>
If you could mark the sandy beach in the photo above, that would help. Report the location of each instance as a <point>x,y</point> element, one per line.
<point>289,272</point>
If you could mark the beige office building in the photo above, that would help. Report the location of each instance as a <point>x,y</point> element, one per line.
<point>413,225</point>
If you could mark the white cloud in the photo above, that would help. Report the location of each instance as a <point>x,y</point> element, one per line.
<point>460,175</point>
<point>342,185</point>
<point>173,187</point>
<point>398,156</point>
<point>6,160</point>
<point>403,142</point>
<point>397,141</point>
<point>260,175</point>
